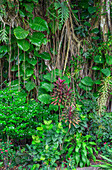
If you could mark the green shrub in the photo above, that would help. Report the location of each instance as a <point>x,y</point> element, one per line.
<point>18,118</point>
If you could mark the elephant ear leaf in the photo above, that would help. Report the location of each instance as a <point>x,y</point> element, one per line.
<point>20,33</point>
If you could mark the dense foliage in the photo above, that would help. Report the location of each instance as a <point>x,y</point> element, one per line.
<point>56,83</point>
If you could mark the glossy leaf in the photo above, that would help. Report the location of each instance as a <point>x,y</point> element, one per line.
<point>30,86</point>
<point>98,59</point>
<point>50,77</point>
<point>23,45</point>
<point>87,81</point>
<point>109,59</point>
<point>97,82</point>
<point>45,98</point>
<point>3,48</point>
<point>95,68</point>
<point>45,56</point>
<point>47,86</point>
<point>81,164</point>
<point>37,38</point>
<point>106,72</point>
<point>29,72</point>
<point>20,33</point>
<point>77,158</point>
<point>92,143</point>
<point>95,31</point>
<point>82,86</point>
<point>39,24</point>
<point>32,60</point>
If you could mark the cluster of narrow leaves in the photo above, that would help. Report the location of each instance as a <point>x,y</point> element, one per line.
<point>63,96</point>
<point>61,93</point>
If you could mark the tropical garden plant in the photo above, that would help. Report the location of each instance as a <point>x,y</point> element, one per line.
<point>55,78</point>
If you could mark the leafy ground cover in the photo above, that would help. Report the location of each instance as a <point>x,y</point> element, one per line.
<point>36,135</point>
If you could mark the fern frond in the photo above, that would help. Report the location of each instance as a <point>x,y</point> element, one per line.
<point>3,35</point>
<point>63,12</point>
<point>104,94</point>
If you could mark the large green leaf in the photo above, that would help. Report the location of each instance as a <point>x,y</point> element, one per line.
<point>109,59</point>
<point>32,60</point>
<point>39,24</point>
<point>45,98</point>
<point>47,86</point>
<point>87,81</point>
<point>45,56</point>
<point>30,86</point>
<point>82,86</point>
<point>23,45</point>
<point>20,33</point>
<point>98,59</point>
<point>3,48</point>
<point>95,31</point>
<point>14,68</point>
<point>29,72</point>
<point>29,7</point>
<point>50,77</point>
<point>106,72</point>
<point>37,38</point>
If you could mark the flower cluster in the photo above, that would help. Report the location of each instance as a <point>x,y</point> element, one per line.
<point>4,146</point>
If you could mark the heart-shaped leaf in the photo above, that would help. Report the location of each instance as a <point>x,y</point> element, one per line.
<point>87,81</point>
<point>45,98</point>
<point>39,24</point>
<point>20,33</point>
<point>47,86</point>
<point>32,61</point>
<point>30,86</point>
<point>106,72</point>
<point>29,72</point>
<point>86,88</point>
<point>37,38</point>
<point>23,45</point>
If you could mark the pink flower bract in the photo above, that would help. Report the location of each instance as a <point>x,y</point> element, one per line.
<point>105,143</point>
